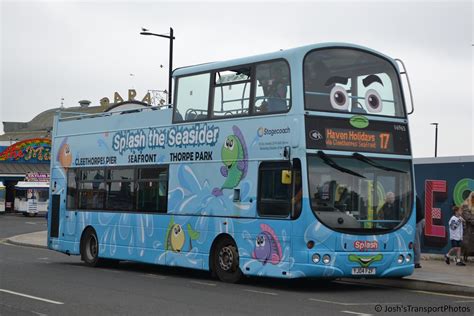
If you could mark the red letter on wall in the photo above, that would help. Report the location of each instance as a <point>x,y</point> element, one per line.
<point>432,186</point>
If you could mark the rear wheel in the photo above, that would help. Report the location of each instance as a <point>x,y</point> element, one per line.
<point>226,261</point>
<point>90,249</point>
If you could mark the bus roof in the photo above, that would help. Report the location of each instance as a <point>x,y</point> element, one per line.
<point>287,54</point>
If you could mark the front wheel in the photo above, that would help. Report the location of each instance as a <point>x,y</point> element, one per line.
<point>90,249</point>
<point>226,261</point>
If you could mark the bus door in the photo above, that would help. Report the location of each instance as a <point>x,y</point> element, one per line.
<point>62,221</point>
<point>279,198</point>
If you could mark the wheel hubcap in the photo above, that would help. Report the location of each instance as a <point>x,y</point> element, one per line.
<point>92,249</point>
<point>226,258</point>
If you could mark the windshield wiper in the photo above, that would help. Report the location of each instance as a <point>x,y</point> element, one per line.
<point>333,164</point>
<point>369,161</point>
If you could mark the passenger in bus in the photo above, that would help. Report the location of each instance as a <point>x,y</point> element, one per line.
<point>275,91</point>
<point>277,98</point>
<point>388,211</point>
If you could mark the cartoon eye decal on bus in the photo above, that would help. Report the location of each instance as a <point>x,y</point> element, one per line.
<point>373,101</point>
<point>339,98</point>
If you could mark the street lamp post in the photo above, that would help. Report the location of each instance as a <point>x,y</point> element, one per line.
<point>436,138</point>
<point>171,38</point>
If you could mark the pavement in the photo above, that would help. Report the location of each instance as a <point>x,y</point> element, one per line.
<point>434,269</point>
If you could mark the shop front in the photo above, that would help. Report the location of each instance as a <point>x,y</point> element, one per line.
<point>24,161</point>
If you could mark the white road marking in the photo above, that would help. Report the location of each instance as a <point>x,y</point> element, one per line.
<point>203,283</point>
<point>355,313</point>
<point>30,223</point>
<point>442,294</point>
<point>261,292</point>
<point>45,258</point>
<point>350,304</point>
<point>32,297</point>
<point>468,301</point>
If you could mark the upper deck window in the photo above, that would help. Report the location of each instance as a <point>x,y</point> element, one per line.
<point>273,87</point>
<point>192,97</point>
<point>251,89</point>
<point>351,81</point>
<point>232,92</point>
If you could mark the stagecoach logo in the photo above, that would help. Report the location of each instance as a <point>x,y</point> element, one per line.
<point>365,245</point>
<point>272,131</point>
<point>315,135</point>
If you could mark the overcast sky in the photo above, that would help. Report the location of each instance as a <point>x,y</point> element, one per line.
<point>73,50</point>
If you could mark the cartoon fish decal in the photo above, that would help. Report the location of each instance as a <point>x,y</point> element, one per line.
<point>174,236</point>
<point>64,155</point>
<point>267,246</point>
<point>234,156</point>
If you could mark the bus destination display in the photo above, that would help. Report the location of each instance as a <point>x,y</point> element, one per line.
<point>338,134</point>
<point>348,139</point>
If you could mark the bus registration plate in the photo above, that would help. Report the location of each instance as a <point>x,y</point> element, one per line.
<point>363,271</point>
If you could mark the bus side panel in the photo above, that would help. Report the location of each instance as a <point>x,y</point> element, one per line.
<point>186,241</point>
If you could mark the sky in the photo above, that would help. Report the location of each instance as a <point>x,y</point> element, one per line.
<point>89,49</point>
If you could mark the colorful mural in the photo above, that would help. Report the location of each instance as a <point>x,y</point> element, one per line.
<point>36,150</point>
<point>440,186</point>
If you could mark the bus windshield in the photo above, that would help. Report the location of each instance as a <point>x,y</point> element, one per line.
<point>357,194</point>
<point>351,81</point>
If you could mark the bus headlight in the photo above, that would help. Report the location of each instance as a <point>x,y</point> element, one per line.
<point>316,258</point>
<point>400,259</point>
<point>408,258</point>
<point>326,259</point>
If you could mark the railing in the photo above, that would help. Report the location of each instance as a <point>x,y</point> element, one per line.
<point>69,116</point>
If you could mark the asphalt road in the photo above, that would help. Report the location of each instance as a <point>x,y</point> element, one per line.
<point>42,282</point>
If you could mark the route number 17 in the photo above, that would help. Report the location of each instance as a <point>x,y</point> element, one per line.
<point>384,139</point>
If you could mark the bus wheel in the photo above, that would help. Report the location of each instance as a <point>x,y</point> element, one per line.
<point>226,261</point>
<point>90,249</point>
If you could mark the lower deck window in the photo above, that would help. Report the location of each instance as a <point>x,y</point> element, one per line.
<point>274,196</point>
<point>143,189</point>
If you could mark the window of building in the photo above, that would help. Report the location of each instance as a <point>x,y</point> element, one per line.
<point>232,92</point>
<point>274,194</point>
<point>192,98</point>
<point>273,90</point>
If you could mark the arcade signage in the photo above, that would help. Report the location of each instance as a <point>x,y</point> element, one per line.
<point>37,177</point>
<point>341,134</point>
<point>28,150</point>
<point>131,97</point>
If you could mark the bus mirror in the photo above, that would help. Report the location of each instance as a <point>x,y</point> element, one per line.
<point>286,176</point>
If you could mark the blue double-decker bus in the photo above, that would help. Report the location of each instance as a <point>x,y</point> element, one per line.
<point>291,164</point>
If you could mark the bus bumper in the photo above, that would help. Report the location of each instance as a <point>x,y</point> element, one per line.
<point>360,265</point>
<point>315,271</point>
